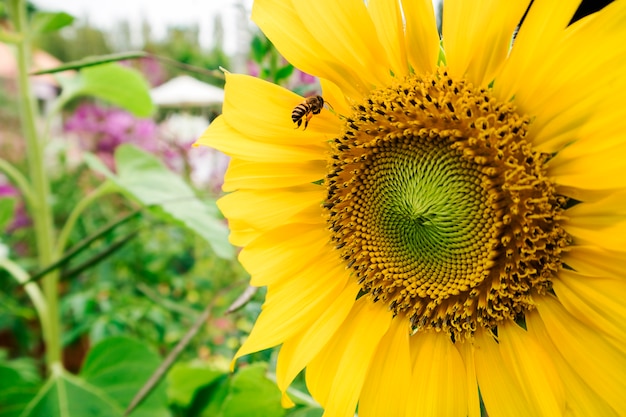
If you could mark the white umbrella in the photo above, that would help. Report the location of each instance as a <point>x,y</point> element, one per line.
<point>186,91</point>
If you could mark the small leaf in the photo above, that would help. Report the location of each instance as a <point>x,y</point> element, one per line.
<point>252,394</point>
<point>283,73</point>
<point>258,49</point>
<point>46,22</point>
<point>122,86</point>
<point>185,379</point>
<point>149,181</point>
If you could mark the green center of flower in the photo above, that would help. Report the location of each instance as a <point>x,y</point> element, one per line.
<point>442,208</point>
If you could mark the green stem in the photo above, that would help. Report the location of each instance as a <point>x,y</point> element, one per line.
<point>17,178</point>
<point>64,235</point>
<point>41,212</point>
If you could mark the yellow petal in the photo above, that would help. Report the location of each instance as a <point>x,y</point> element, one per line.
<point>336,375</point>
<point>597,302</point>
<point>596,360</point>
<point>293,304</point>
<point>347,32</point>
<point>595,261</point>
<point>264,211</point>
<point>612,237</point>
<point>258,175</point>
<point>595,170</point>
<point>495,381</point>
<point>599,214</point>
<point>388,382</point>
<point>422,38</point>
<point>477,36</point>
<point>282,252</point>
<point>439,380</point>
<point>601,222</point>
<point>543,27</point>
<point>241,233</point>
<point>582,194</point>
<point>285,27</point>
<point>335,97</point>
<point>301,348</point>
<point>387,18</point>
<point>581,399</point>
<point>221,136</point>
<point>261,111</point>
<point>473,398</point>
<point>532,367</point>
<point>573,90</point>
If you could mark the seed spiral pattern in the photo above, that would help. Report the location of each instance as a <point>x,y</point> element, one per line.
<point>440,206</point>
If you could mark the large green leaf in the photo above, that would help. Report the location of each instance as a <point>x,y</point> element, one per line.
<point>16,391</point>
<point>144,177</point>
<point>125,87</point>
<point>185,379</point>
<point>251,393</point>
<point>113,372</point>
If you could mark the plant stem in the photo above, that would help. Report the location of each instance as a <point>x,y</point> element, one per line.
<point>32,289</point>
<point>41,212</point>
<point>19,180</point>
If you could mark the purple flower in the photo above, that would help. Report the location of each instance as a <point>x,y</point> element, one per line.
<point>102,130</point>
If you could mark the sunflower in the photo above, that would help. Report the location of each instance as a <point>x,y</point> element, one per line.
<point>450,235</point>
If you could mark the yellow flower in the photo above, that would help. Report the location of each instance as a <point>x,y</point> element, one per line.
<point>453,230</point>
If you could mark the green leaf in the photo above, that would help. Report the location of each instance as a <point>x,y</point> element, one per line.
<point>144,177</point>
<point>283,73</point>
<point>185,379</point>
<point>122,86</point>
<point>120,366</point>
<point>113,372</point>
<point>7,211</point>
<point>213,396</point>
<point>16,391</point>
<point>46,22</point>
<point>252,394</point>
<point>258,49</point>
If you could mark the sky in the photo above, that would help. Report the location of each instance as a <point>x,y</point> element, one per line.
<point>160,14</point>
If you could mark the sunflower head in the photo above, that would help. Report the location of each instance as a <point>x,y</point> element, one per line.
<point>441,208</point>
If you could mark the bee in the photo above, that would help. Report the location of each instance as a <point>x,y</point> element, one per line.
<point>306,110</point>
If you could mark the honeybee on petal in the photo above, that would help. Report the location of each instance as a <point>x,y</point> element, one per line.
<point>305,110</point>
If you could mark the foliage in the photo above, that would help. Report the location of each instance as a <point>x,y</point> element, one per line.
<point>109,255</point>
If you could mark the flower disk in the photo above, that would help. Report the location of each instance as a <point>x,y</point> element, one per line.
<point>441,207</point>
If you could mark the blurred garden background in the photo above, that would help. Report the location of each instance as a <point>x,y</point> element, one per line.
<point>113,254</point>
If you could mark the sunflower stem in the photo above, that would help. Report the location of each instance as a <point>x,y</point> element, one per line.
<point>40,208</point>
